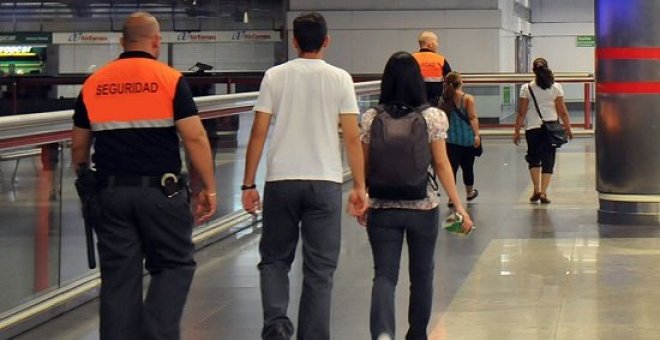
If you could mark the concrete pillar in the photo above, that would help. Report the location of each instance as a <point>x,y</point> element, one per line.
<point>628,111</point>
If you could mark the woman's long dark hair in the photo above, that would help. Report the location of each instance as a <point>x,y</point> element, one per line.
<point>402,82</point>
<point>451,84</point>
<point>544,77</point>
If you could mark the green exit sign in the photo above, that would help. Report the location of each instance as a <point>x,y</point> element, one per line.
<point>586,41</point>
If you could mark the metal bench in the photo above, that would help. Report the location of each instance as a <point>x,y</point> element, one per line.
<point>17,155</point>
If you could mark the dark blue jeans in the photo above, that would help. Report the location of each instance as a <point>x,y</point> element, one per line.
<point>386,229</point>
<point>311,209</point>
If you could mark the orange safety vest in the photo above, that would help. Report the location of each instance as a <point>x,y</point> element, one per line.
<point>131,93</point>
<point>431,65</point>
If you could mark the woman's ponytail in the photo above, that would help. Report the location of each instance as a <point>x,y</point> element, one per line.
<point>452,82</point>
<point>543,75</point>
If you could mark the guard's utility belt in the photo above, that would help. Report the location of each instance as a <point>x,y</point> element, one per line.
<point>170,183</point>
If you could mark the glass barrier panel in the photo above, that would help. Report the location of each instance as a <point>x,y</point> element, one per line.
<point>31,229</point>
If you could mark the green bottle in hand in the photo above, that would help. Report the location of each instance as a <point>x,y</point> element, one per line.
<point>453,223</point>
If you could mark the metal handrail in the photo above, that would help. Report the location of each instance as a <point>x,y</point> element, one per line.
<point>17,130</point>
<point>563,77</point>
<point>57,122</point>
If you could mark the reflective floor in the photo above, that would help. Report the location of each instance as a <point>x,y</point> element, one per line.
<point>528,271</point>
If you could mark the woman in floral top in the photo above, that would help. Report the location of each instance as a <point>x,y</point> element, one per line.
<point>388,221</point>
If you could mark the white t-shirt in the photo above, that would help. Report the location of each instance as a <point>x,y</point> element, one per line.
<point>545,99</point>
<point>306,97</point>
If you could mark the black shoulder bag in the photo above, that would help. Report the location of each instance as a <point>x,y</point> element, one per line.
<point>554,131</point>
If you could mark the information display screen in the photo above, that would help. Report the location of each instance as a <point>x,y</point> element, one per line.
<point>22,59</point>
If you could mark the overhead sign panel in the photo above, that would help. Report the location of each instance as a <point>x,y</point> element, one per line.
<point>26,38</point>
<point>86,38</point>
<point>221,36</point>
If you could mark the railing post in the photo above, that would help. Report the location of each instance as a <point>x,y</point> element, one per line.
<point>587,106</point>
<point>14,96</point>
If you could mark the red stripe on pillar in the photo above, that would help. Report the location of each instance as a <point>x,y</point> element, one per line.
<point>628,53</point>
<point>640,88</point>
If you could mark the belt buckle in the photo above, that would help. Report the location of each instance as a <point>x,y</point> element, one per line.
<point>169,182</point>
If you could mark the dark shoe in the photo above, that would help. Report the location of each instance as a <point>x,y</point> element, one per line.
<point>277,332</point>
<point>473,195</point>
<point>544,199</point>
<point>535,197</point>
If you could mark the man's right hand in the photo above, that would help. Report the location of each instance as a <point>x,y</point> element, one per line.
<point>251,201</point>
<point>207,204</point>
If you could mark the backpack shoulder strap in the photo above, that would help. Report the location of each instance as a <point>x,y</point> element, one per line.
<point>380,108</point>
<point>460,113</point>
<point>420,109</point>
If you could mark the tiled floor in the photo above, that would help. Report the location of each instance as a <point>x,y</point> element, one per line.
<point>527,272</point>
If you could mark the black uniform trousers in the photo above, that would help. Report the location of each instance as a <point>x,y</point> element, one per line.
<point>142,223</point>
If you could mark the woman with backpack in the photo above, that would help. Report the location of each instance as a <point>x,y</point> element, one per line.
<point>547,104</point>
<point>403,200</point>
<point>463,140</point>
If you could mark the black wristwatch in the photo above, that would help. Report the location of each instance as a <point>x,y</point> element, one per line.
<point>248,187</point>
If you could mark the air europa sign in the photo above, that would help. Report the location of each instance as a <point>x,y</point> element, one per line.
<point>196,37</point>
<point>83,37</point>
<point>170,37</point>
<point>255,36</point>
<point>86,38</point>
<point>220,36</point>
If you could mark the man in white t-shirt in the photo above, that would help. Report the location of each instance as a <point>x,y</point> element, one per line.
<point>308,100</point>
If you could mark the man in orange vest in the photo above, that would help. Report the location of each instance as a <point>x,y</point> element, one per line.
<point>133,110</point>
<point>434,66</point>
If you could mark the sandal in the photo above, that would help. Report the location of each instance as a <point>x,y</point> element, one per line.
<point>535,197</point>
<point>473,195</point>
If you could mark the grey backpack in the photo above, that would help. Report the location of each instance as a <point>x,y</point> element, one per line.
<point>399,153</point>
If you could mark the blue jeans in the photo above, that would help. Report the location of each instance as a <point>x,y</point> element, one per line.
<point>386,228</point>
<point>311,209</point>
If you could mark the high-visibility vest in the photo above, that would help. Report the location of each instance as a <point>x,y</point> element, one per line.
<point>431,65</point>
<point>131,93</point>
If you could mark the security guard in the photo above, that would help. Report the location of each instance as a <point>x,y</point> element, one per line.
<point>133,108</point>
<point>434,66</point>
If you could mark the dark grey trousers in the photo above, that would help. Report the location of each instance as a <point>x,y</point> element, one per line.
<point>311,209</point>
<point>142,223</point>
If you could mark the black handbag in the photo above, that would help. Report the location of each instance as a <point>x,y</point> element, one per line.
<point>554,131</point>
<point>478,151</point>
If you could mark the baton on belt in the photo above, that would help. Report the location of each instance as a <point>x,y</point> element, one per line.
<point>88,193</point>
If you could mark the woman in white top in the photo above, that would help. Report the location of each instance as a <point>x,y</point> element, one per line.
<point>540,154</point>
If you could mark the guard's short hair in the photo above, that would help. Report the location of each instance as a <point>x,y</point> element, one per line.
<point>310,31</point>
<point>425,37</point>
<point>139,26</point>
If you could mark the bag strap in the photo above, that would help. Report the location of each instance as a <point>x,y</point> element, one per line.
<point>464,117</point>
<point>380,108</point>
<point>538,110</point>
